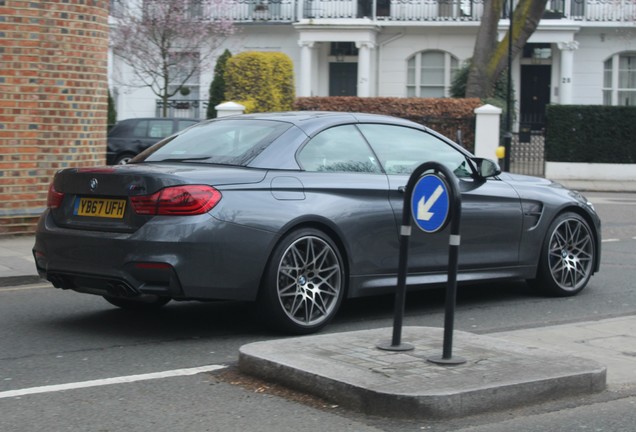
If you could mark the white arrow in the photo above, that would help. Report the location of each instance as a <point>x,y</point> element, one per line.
<point>423,206</point>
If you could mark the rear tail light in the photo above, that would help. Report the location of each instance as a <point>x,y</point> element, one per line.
<point>177,201</point>
<point>54,198</point>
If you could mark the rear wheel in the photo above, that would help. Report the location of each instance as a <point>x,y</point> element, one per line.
<point>143,302</point>
<point>123,159</point>
<point>304,282</point>
<point>567,257</point>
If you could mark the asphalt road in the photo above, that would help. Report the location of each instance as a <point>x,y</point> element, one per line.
<point>52,342</point>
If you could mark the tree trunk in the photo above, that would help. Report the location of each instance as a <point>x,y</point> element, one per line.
<point>490,57</point>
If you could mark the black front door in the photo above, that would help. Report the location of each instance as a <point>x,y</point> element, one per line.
<point>535,95</point>
<point>343,79</point>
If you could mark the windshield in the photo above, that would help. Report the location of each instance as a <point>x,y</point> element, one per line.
<point>227,142</point>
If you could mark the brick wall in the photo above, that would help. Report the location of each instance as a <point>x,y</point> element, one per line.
<point>53,99</point>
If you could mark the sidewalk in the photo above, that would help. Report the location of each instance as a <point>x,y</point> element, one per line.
<point>17,266</point>
<point>502,370</point>
<point>599,185</point>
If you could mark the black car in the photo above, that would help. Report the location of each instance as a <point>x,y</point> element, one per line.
<point>297,211</point>
<point>132,136</point>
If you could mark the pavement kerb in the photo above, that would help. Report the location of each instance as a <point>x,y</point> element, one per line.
<point>348,369</point>
<point>20,280</point>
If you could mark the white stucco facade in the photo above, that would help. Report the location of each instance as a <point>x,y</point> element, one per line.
<point>386,49</point>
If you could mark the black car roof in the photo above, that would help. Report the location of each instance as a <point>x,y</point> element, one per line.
<point>126,125</point>
<point>312,121</point>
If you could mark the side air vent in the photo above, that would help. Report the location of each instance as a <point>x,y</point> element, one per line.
<point>532,211</point>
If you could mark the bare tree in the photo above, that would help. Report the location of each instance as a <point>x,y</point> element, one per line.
<point>490,57</point>
<point>167,42</point>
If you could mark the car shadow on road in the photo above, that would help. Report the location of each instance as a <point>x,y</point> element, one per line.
<point>176,320</point>
<point>429,304</point>
<point>187,320</point>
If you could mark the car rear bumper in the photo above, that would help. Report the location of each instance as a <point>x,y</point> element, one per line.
<point>203,259</point>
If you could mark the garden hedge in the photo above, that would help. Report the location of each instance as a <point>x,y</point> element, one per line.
<point>444,115</point>
<point>591,133</point>
<point>261,81</point>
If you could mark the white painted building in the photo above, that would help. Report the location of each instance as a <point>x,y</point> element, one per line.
<point>584,51</point>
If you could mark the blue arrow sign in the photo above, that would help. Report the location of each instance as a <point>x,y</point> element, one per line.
<point>430,203</point>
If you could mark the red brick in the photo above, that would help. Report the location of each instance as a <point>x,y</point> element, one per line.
<point>38,126</point>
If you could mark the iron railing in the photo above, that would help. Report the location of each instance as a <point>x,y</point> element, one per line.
<point>527,153</point>
<point>288,11</point>
<point>183,108</point>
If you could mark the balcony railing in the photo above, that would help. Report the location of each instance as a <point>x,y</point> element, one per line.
<point>395,10</point>
<point>259,10</point>
<point>289,11</point>
<point>595,10</point>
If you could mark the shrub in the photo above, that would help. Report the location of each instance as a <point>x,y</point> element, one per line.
<point>444,115</point>
<point>217,86</point>
<point>592,134</point>
<point>112,113</point>
<point>264,78</point>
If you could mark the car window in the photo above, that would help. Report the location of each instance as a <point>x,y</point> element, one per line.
<point>340,148</point>
<point>402,149</point>
<point>228,142</point>
<point>182,124</point>
<point>159,128</point>
<point>141,129</point>
<point>123,128</point>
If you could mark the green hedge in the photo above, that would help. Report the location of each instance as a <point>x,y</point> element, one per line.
<point>217,86</point>
<point>591,133</point>
<point>262,81</point>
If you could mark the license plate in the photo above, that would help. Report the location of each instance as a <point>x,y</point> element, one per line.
<point>100,207</point>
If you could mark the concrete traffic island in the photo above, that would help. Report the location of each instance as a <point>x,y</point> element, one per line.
<point>348,369</point>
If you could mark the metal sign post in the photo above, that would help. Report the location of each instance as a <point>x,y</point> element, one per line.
<point>432,200</point>
<point>455,201</point>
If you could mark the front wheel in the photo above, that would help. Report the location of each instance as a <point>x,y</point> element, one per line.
<point>567,256</point>
<point>304,282</point>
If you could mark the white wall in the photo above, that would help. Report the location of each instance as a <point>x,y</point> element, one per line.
<point>141,101</point>
<point>590,171</point>
<point>394,46</point>
<point>595,46</point>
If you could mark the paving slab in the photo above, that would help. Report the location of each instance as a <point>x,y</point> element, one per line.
<point>610,341</point>
<point>17,266</point>
<point>348,369</point>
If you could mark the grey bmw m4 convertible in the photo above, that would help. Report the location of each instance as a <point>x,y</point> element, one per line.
<point>297,211</point>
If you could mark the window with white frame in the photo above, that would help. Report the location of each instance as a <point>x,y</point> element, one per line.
<point>184,71</point>
<point>619,79</point>
<point>430,74</point>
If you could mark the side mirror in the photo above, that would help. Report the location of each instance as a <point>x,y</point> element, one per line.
<point>486,167</point>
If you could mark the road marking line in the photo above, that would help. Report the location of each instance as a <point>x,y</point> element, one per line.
<point>109,381</point>
<point>24,288</point>
<point>610,240</point>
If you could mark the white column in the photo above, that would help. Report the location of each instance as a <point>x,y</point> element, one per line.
<point>567,68</point>
<point>306,66</point>
<point>487,131</point>
<point>364,68</point>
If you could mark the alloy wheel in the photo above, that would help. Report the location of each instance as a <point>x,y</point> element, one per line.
<point>571,254</point>
<point>309,281</point>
